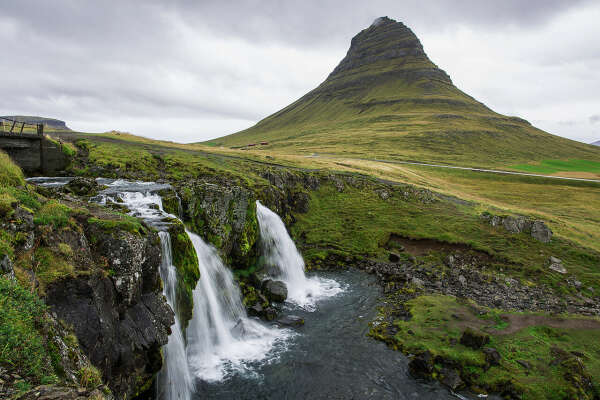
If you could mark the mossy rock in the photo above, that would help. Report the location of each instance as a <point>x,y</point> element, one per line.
<point>188,273</point>
<point>225,216</point>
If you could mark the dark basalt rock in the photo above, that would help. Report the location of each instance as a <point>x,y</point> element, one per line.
<point>121,320</point>
<point>275,290</point>
<point>451,378</point>
<point>474,339</point>
<point>292,321</point>
<point>492,357</point>
<point>83,186</point>
<point>6,267</point>
<point>394,257</point>
<point>421,366</point>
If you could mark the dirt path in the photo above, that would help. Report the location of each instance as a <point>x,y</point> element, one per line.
<point>517,322</point>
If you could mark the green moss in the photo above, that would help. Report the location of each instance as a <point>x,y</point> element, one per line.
<point>53,213</point>
<point>250,231</point>
<point>7,205</point>
<point>122,222</point>
<point>438,322</point>
<point>10,173</point>
<point>49,267</point>
<point>89,377</point>
<point>188,273</point>
<point>22,346</point>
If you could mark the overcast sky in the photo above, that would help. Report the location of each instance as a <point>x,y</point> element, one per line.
<point>194,70</point>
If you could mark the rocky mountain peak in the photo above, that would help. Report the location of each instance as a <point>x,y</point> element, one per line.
<point>385,39</point>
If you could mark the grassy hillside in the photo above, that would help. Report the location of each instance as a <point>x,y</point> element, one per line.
<point>387,100</point>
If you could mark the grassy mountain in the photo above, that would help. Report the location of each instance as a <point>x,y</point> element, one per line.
<point>386,99</point>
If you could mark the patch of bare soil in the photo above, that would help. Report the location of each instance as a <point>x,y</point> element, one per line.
<point>517,322</point>
<point>419,247</point>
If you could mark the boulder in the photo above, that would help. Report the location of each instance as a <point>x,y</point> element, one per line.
<point>291,321</point>
<point>474,339</point>
<point>394,257</point>
<point>421,366</point>
<point>275,290</point>
<point>492,357</point>
<point>540,231</point>
<point>451,378</point>
<point>6,267</point>
<point>556,265</point>
<point>83,186</point>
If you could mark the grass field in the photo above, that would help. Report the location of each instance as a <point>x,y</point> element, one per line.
<point>551,371</point>
<point>550,167</point>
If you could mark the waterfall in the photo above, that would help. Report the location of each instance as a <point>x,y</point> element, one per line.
<point>174,380</point>
<point>221,338</point>
<point>286,264</point>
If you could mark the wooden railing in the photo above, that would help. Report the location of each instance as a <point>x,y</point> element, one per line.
<point>14,127</point>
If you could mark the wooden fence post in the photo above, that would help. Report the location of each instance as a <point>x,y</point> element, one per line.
<point>40,129</point>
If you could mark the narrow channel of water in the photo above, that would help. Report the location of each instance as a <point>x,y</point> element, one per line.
<point>331,357</point>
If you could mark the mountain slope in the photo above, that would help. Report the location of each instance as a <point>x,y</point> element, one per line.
<point>386,99</point>
<point>597,143</point>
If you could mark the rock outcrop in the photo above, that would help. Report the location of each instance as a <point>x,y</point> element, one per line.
<point>98,273</point>
<point>120,320</point>
<point>384,41</point>
<point>223,214</point>
<point>520,224</point>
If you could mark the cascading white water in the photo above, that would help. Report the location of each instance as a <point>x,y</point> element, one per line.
<point>221,337</point>
<point>174,380</point>
<point>281,252</point>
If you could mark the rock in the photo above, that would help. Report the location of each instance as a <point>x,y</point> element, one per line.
<point>540,231</point>
<point>451,378</point>
<point>292,321</point>
<point>83,186</point>
<point>450,261</point>
<point>421,366</point>
<point>524,364</point>
<point>6,267</point>
<point>394,257</point>
<point>256,310</point>
<point>270,314</point>
<point>223,213</point>
<point>417,282</point>
<point>474,339</point>
<point>122,320</point>
<point>462,280</point>
<point>492,357</point>
<point>556,265</point>
<point>275,290</point>
<point>383,194</point>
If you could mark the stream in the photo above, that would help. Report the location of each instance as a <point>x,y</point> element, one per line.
<point>330,357</point>
<point>229,355</point>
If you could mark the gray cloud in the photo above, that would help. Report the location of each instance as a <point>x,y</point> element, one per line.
<point>212,67</point>
<point>595,118</point>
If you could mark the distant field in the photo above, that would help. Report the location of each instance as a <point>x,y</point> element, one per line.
<point>555,166</point>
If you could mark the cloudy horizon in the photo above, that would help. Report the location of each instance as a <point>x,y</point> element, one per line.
<point>189,71</point>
